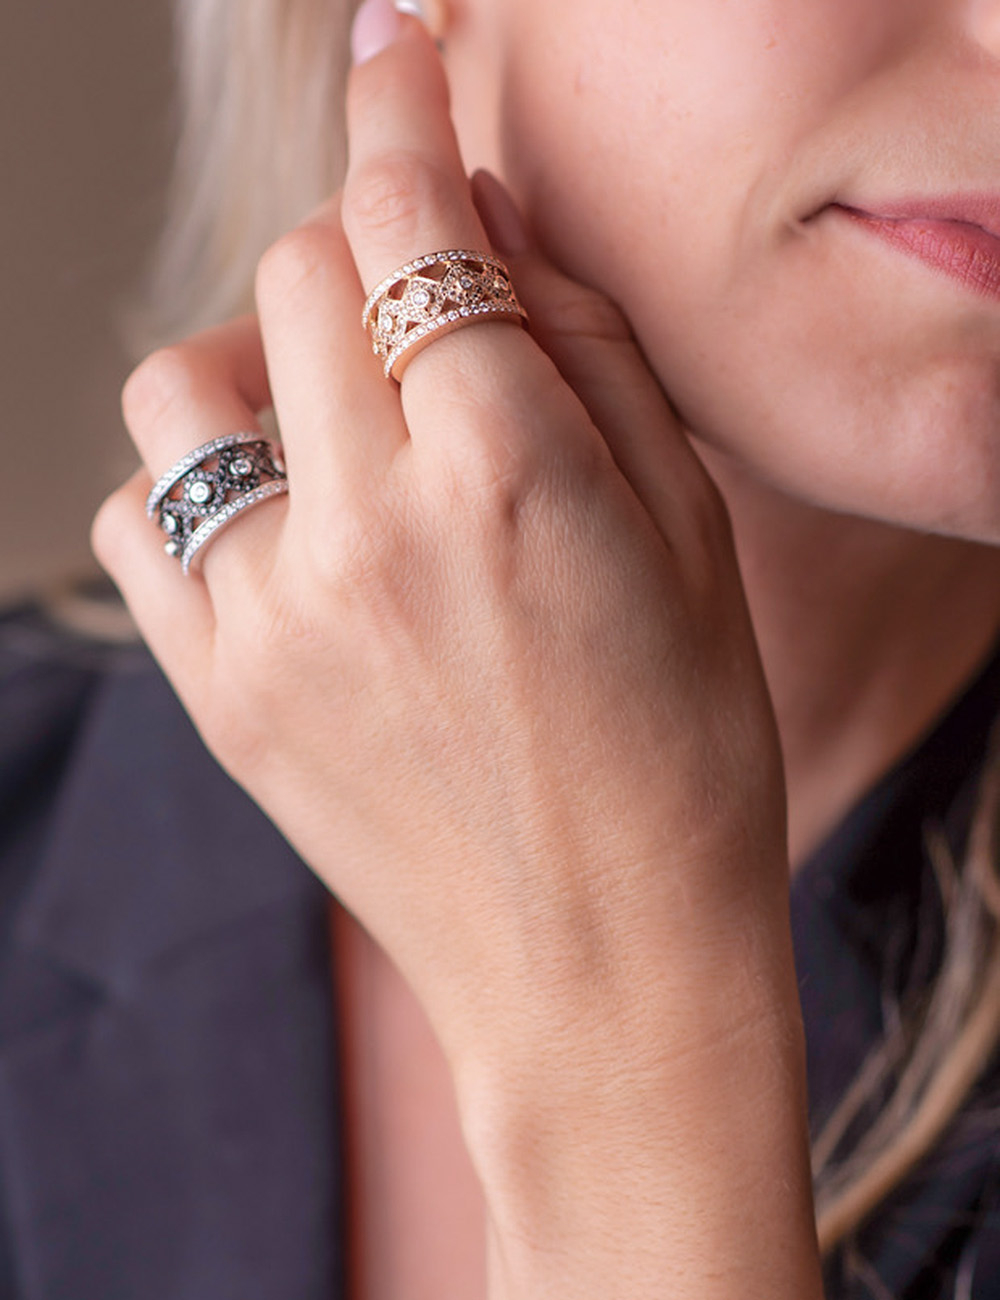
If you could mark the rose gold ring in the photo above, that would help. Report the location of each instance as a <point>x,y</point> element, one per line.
<point>431,297</point>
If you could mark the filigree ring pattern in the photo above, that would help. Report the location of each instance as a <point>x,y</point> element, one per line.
<point>211,486</point>
<point>430,297</point>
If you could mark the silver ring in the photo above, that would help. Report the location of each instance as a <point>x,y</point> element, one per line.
<point>212,485</point>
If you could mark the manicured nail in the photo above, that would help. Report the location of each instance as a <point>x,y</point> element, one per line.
<point>432,13</point>
<point>376,25</point>
<point>498,212</point>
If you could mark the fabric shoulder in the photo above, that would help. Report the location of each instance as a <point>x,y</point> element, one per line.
<point>47,676</point>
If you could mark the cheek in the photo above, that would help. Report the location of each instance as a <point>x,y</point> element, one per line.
<point>846,379</point>
<point>675,145</point>
<point>701,94</point>
<point>671,168</point>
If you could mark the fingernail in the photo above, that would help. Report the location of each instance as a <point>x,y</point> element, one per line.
<point>498,212</point>
<point>376,25</point>
<point>432,13</point>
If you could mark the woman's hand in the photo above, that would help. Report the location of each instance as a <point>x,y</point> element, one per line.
<point>490,669</point>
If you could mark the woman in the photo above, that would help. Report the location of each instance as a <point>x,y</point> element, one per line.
<point>544,638</point>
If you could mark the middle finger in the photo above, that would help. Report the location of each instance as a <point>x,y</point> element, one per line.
<point>407,196</point>
<point>406,192</point>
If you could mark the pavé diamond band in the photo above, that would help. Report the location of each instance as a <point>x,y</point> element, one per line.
<point>430,297</point>
<point>211,486</point>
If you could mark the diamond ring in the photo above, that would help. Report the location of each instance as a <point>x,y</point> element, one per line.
<point>430,297</point>
<point>211,486</point>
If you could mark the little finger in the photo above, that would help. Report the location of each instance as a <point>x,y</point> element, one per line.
<point>173,614</point>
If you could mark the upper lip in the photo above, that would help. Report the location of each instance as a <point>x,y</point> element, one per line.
<point>979,210</point>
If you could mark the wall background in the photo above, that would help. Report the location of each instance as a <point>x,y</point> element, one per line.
<point>84,147</point>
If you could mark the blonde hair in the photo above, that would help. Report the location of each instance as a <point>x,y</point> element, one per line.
<point>261,143</point>
<point>935,1051</point>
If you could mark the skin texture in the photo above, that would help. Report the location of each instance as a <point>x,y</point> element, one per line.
<point>708,141</point>
<point>492,665</point>
<point>686,168</point>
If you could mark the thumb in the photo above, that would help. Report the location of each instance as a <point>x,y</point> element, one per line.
<point>592,345</point>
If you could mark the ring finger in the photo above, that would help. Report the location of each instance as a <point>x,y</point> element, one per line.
<point>184,397</point>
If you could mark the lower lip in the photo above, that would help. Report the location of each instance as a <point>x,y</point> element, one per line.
<point>961,251</point>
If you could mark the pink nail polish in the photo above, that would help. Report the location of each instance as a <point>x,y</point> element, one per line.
<point>376,25</point>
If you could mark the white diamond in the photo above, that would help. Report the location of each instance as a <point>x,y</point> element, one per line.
<point>242,467</point>
<point>199,492</point>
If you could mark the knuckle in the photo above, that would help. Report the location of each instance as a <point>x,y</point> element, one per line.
<point>506,458</point>
<point>487,490</point>
<point>158,382</point>
<point>493,474</point>
<point>254,659</point>
<point>353,555</point>
<point>397,192</point>
<point>297,258</point>
<point>321,549</point>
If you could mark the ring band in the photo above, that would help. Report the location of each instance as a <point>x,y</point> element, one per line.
<point>211,486</point>
<point>430,297</point>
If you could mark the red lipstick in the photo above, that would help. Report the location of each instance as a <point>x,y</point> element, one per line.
<point>960,237</point>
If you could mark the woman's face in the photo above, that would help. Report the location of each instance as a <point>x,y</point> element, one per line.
<point>689,156</point>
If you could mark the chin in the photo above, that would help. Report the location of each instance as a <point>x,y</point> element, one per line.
<point>925,461</point>
<point>860,430</point>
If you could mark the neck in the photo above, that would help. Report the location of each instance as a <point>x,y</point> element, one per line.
<point>867,632</point>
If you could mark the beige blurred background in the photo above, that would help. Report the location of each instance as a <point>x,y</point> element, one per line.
<point>84,140</point>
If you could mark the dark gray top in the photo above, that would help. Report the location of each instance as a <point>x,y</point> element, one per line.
<point>168,1060</point>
